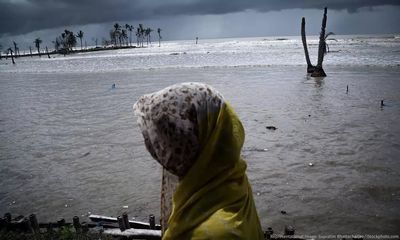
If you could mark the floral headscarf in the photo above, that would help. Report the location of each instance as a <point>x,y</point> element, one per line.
<point>169,120</point>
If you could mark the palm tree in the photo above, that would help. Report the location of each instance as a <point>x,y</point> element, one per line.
<point>148,31</point>
<point>124,36</point>
<point>130,29</point>
<point>37,43</point>
<point>80,36</point>
<point>142,32</point>
<point>117,29</point>
<point>159,36</point>
<point>137,36</point>
<point>326,44</point>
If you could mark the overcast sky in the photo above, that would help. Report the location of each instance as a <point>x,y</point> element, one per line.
<point>24,20</point>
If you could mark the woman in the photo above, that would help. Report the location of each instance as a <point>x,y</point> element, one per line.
<point>196,136</point>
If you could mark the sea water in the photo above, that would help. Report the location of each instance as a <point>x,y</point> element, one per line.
<point>70,145</point>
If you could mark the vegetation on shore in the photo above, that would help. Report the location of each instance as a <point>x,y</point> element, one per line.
<point>66,42</point>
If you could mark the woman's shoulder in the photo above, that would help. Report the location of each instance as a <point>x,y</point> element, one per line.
<point>224,225</point>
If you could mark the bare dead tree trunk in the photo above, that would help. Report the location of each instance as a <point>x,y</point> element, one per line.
<point>30,50</point>
<point>319,71</point>
<point>310,67</point>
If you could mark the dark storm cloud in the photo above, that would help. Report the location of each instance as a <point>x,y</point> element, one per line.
<point>21,16</point>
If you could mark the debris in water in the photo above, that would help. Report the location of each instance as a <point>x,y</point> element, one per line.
<point>66,205</point>
<point>85,155</point>
<point>265,149</point>
<point>310,164</point>
<point>125,207</point>
<point>258,193</point>
<point>271,128</point>
<point>283,212</point>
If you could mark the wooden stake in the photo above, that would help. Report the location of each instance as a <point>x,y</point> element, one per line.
<point>77,225</point>
<point>126,220</point>
<point>34,223</point>
<point>152,221</point>
<point>121,223</point>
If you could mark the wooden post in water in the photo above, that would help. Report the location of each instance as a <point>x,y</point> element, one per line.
<point>126,220</point>
<point>85,227</point>
<point>7,217</point>
<point>319,71</point>
<point>152,221</point>
<point>310,67</point>
<point>26,225</point>
<point>77,225</point>
<point>121,224</point>
<point>34,223</point>
<point>61,222</point>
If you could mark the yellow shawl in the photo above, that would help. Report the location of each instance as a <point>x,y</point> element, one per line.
<point>214,199</point>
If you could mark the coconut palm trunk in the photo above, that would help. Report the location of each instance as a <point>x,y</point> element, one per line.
<point>319,71</point>
<point>310,67</point>
<point>47,51</point>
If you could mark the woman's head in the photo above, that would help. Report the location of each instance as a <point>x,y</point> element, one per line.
<point>172,122</point>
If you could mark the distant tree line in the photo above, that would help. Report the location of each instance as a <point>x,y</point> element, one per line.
<point>120,36</point>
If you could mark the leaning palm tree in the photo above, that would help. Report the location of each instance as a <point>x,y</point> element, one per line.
<point>80,36</point>
<point>130,29</point>
<point>37,43</point>
<point>159,36</point>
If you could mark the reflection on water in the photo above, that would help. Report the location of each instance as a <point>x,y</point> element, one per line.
<point>70,145</point>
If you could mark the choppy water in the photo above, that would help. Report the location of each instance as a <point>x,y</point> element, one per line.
<point>69,143</point>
